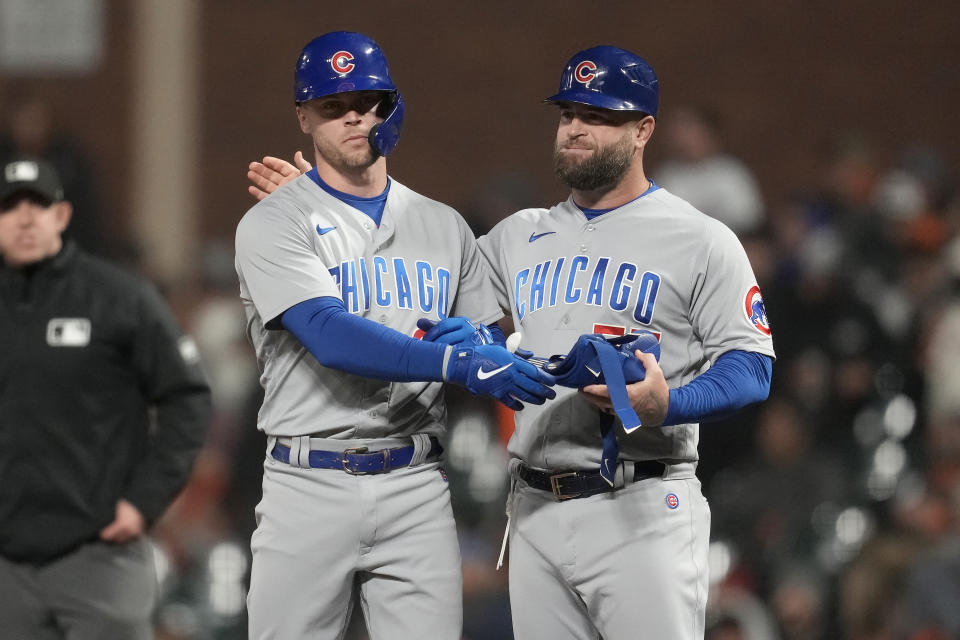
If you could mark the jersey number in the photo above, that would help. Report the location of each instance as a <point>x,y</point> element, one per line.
<point>617,330</point>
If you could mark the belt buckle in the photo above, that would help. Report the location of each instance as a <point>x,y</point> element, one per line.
<point>555,485</point>
<point>353,470</point>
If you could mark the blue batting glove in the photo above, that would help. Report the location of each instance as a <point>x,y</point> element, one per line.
<point>457,331</point>
<point>491,370</point>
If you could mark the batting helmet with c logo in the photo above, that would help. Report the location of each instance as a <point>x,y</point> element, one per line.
<point>609,78</point>
<point>343,61</point>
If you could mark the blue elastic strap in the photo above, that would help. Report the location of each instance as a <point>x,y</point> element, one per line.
<point>340,340</point>
<point>617,386</point>
<point>497,333</point>
<point>736,379</point>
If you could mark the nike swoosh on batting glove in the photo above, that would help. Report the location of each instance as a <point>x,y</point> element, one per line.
<point>491,370</point>
<point>458,331</point>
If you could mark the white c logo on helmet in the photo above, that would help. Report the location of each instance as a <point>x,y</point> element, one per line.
<point>585,71</point>
<point>341,62</point>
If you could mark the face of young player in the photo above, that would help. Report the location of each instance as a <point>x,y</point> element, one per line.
<point>339,125</point>
<point>30,229</point>
<point>596,147</point>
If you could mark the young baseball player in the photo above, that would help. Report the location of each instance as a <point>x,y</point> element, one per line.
<point>335,271</point>
<point>624,559</point>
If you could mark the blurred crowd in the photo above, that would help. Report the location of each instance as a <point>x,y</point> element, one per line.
<point>836,504</point>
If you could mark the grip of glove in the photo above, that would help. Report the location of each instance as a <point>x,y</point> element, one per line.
<point>458,331</point>
<point>491,370</point>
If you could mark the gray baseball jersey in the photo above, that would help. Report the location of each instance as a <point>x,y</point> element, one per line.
<point>302,243</point>
<point>317,529</point>
<point>611,564</point>
<point>657,264</point>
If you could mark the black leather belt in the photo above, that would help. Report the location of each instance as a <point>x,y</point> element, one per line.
<point>567,485</point>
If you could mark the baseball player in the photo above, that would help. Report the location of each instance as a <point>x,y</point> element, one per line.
<point>626,559</point>
<point>335,270</point>
<point>620,255</point>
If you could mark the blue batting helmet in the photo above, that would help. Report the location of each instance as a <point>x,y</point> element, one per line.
<point>609,78</point>
<point>343,61</point>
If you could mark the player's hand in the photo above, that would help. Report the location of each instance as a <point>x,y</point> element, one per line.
<point>128,524</point>
<point>649,397</point>
<point>491,370</point>
<point>271,173</point>
<point>457,331</point>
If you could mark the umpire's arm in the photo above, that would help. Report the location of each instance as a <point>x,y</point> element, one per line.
<point>176,388</point>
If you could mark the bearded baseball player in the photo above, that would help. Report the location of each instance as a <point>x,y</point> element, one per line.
<point>620,552</point>
<point>335,270</point>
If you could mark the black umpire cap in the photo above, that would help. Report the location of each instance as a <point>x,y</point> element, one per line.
<point>28,175</point>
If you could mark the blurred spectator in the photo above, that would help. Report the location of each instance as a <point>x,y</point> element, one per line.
<point>831,345</point>
<point>31,130</point>
<point>768,505</point>
<point>941,351</point>
<point>701,172</point>
<point>800,599</point>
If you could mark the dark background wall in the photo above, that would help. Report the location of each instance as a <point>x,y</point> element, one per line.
<point>785,77</point>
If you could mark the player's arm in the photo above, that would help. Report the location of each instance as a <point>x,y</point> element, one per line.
<point>736,380</point>
<point>169,372</point>
<point>340,340</point>
<point>271,173</point>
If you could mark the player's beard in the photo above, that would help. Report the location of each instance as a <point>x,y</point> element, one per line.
<point>605,167</point>
<point>341,161</point>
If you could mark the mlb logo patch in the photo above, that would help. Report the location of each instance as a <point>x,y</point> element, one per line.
<point>22,171</point>
<point>68,332</point>
<point>672,500</point>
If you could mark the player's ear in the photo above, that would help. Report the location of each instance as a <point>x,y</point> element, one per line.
<point>302,118</point>
<point>63,211</point>
<point>645,129</point>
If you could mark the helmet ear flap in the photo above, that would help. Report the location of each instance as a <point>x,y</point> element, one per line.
<point>383,137</point>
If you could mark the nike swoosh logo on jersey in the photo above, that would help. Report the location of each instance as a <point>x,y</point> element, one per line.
<point>323,230</point>
<point>596,374</point>
<point>483,375</point>
<point>537,236</point>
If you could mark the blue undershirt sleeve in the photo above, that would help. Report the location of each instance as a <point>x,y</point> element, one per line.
<point>340,340</point>
<point>736,379</point>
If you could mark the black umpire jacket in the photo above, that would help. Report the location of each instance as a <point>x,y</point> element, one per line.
<point>101,397</point>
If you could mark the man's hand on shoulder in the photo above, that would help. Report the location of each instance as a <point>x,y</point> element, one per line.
<point>271,173</point>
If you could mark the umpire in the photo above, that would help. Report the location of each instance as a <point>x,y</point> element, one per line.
<point>103,408</point>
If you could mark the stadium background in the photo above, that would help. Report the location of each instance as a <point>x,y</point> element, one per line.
<point>175,97</point>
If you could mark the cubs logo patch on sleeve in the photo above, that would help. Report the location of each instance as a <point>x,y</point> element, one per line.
<point>756,312</point>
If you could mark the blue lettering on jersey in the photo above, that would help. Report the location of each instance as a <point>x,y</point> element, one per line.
<point>519,281</point>
<point>621,286</point>
<point>430,288</point>
<point>573,293</point>
<point>556,280</point>
<point>443,292</point>
<point>380,270</point>
<point>538,284</point>
<point>605,285</point>
<point>365,281</point>
<point>404,297</point>
<point>424,292</point>
<point>649,285</point>
<point>348,287</point>
<point>595,292</point>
